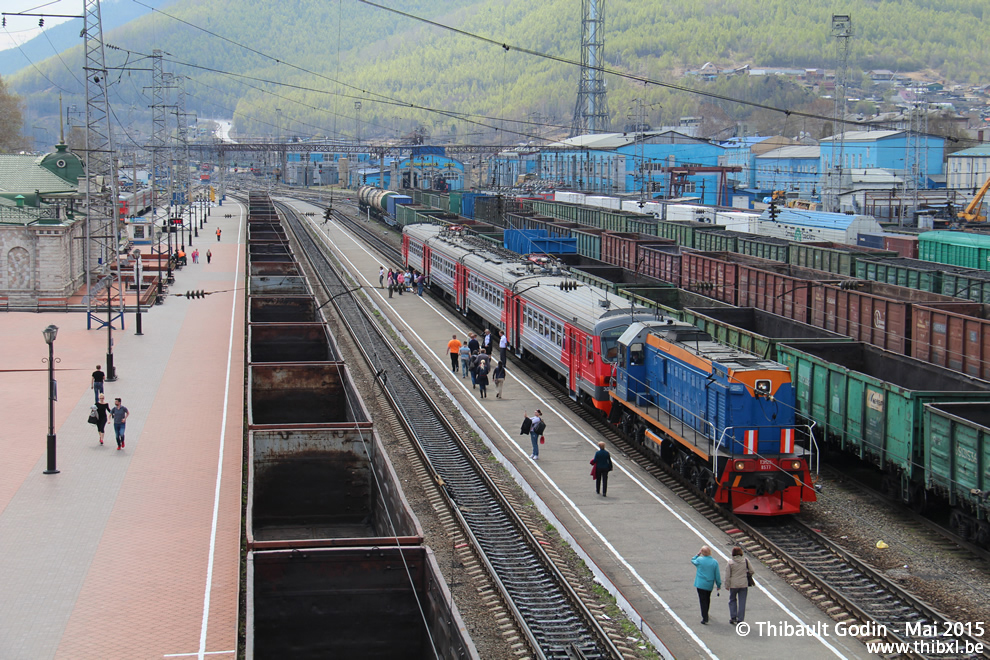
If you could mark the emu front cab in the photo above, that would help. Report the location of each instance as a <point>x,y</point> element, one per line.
<point>723,418</point>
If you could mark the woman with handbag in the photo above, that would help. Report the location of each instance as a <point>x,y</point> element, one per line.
<point>738,577</point>
<point>102,410</point>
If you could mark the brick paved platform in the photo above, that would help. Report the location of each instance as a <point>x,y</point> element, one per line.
<point>119,554</point>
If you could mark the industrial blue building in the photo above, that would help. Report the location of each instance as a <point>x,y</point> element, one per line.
<point>886,150</point>
<point>791,169</point>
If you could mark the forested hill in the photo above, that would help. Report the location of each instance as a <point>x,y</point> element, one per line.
<point>366,53</point>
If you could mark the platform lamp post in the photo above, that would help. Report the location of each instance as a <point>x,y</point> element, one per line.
<point>49,334</point>
<point>192,221</point>
<point>137,283</point>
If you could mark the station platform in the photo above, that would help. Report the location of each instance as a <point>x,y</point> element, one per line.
<point>640,539</point>
<point>130,553</point>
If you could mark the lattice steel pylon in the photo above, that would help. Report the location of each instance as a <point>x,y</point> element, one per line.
<point>159,124</point>
<point>915,158</point>
<point>591,107</point>
<point>102,212</point>
<point>842,30</point>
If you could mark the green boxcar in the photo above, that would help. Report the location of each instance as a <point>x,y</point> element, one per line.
<point>967,283</point>
<point>589,241</point>
<point>682,232</point>
<point>833,257</point>
<point>615,221</point>
<point>955,248</point>
<point>455,202</point>
<point>910,273</point>
<point>716,240</point>
<point>643,225</point>
<point>870,402</point>
<point>754,330</point>
<point>407,214</point>
<point>765,247</point>
<point>590,216</point>
<point>958,465</point>
<point>558,210</point>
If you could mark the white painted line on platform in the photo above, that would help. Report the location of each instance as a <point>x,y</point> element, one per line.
<point>223,434</point>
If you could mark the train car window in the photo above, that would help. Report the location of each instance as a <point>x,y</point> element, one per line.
<point>591,350</point>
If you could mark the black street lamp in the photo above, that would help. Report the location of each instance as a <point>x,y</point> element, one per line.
<point>50,333</point>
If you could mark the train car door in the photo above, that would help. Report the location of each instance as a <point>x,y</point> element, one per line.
<point>572,356</point>
<point>405,248</point>
<point>460,287</point>
<point>426,261</point>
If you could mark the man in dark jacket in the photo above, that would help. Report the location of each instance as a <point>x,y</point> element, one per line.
<point>603,465</point>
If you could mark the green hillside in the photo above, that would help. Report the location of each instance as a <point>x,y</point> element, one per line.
<point>350,51</point>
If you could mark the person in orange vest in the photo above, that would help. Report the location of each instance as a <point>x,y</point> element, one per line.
<point>218,234</point>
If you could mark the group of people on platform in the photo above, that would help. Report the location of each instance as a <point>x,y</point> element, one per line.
<point>475,359</point>
<point>399,281</point>
<point>101,412</point>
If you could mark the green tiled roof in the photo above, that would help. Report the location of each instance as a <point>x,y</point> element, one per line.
<point>25,174</point>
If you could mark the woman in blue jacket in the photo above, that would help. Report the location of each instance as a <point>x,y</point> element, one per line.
<point>706,579</point>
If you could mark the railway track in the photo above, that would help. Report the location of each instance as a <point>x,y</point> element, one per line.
<point>555,621</point>
<point>852,593</point>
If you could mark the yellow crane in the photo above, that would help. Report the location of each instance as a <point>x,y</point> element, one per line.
<point>972,211</point>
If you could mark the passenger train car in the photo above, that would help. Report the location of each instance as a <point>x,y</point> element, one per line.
<point>134,203</point>
<point>571,327</point>
<point>724,418</point>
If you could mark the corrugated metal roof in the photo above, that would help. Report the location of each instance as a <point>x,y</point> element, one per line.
<point>793,152</point>
<point>955,238</point>
<point>23,174</point>
<point>866,136</point>
<point>818,219</point>
<point>598,141</point>
<point>972,152</point>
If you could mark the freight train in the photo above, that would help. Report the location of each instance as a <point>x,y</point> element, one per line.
<point>721,417</point>
<point>546,315</point>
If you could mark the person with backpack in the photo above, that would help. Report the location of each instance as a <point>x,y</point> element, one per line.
<point>603,465</point>
<point>536,427</point>
<point>499,377</point>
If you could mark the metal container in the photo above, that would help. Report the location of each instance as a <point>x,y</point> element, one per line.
<point>283,309</point>
<point>332,485</point>
<point>766,247</point>
<point>299,395</point>
<point>367,602</point>
<point>662,263</point>
<point>643,225</point>
<point>958,454</point>
<point>670,300</point>
<point>967,283</point>
<point>278,285</point>
<point>956,336</point>
<point>290,342</point>
<point>589,241</point>
<point>623,249</point>
<point>870,402</point>
<point>754,330</point>
<point>682,232</point>
<point>910,273</point>
<point>710,274</point>
<point>832,257</point>
<point>877,313</point>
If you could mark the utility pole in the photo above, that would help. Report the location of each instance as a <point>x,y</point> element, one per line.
<point>102,210</point>
<point>842,30</point>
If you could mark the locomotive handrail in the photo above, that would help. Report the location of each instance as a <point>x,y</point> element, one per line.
<point>810,430</point>
<point>711,430</point>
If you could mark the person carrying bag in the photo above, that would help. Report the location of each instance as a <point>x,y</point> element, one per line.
<point>738,578</point>
<point>602,465</point>
<point>536,428</point>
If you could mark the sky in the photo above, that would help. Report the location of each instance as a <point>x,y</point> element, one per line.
<point>20,29</point>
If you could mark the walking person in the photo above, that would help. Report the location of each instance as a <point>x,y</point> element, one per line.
<point>218,234</point>
<point>706,579</point>
<point>465,355</point>
<point>503,346</point>
<point>120,414</point>
<point>473,344</point>
<point>209,256</point>
<point>483,380</point>
<point>381,277</point>
<point>474,369</point>
<point>454,348</point>
<point>97,383</point>
<point>498,376</point>
<point>195,255</point>
<point>738,578</point>
<point>536,428</point>
<point>102,414</point>
<point>602,461</point>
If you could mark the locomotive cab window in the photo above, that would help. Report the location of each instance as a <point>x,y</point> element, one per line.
<point>763,387</point>
<point>636,355</point>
